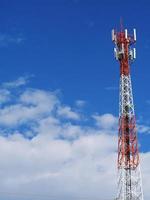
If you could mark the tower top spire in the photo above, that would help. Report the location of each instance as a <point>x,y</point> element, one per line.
<point>121,24</point>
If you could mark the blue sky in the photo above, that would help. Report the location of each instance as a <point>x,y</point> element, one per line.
<point>64,47</point>
<point>67,46</point>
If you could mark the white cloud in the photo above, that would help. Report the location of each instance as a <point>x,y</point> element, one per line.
<point>106,121</point>
<point>32,104</point>
<point>16,83</point>
<point>64,166</point>
<point>66,112</point>
<point>64,159</point>
<point>4,96</point>
<point>80,103</point>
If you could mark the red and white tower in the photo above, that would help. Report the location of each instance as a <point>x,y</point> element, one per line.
<point>129,175</point>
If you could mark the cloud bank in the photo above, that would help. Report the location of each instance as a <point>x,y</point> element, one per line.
<point>48,152</point>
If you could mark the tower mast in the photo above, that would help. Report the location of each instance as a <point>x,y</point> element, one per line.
<point>129,175</point>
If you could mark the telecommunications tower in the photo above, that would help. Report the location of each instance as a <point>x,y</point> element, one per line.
<point>129,175</point>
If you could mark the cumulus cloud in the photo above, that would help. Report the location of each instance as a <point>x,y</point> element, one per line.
<point>106,121</point>
<point>4,96</point>
<point>45,156</point>
<point>66,112</point>
<point>31,105</point>
<point>16,83</point>
<point>58,167</point>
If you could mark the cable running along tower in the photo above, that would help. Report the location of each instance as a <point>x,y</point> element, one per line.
<point>129,175</point>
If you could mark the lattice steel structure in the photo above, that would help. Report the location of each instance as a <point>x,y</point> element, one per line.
<point>129,175</point>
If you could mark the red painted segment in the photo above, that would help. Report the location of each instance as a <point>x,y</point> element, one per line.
<point>128,154</point>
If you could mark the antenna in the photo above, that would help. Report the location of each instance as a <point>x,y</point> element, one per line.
<point>126,33</point>
<point>134,34</point>
<point>121,24</point>
<point>113,34</point>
